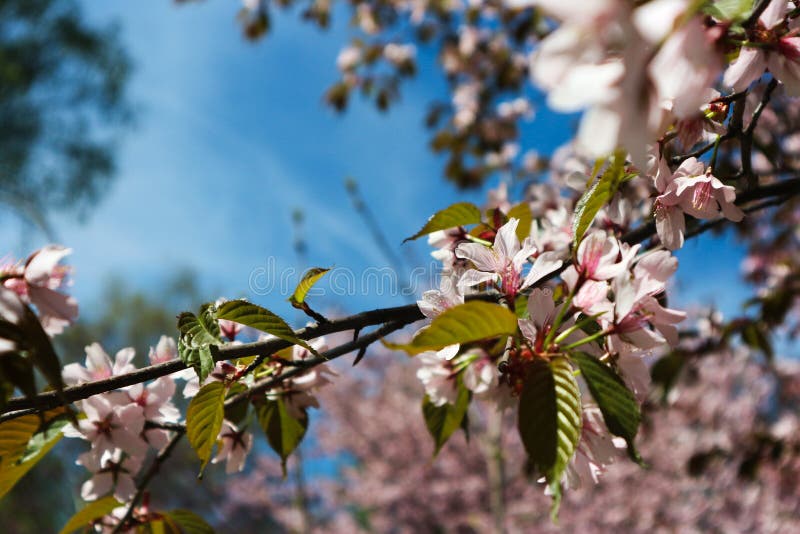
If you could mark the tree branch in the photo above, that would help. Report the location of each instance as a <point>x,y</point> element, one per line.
<point>49,400</point>
<point>394,318</point>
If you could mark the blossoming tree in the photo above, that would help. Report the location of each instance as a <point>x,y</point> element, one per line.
<point>550,306</point>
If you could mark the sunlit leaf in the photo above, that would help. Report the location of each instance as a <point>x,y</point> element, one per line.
<point>311,277</point>
<point>472,321</point>
<point>89,513</point>
<point>204,420</point>
<point>15,435</point>
<point>13,469</point>
<point>522,211</point>
<point>187,522</point>
<point>459,214</point>
<point>198,334</point>
<point>254,316</point>
<point>729,10</point>
<point>597,196</point>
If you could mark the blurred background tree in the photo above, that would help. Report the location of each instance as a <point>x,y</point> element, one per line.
<point>62,96</point>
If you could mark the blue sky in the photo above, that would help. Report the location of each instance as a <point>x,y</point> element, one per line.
<point>232,136</point>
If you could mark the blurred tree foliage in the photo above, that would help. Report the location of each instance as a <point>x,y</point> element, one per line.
<point>62,92</point>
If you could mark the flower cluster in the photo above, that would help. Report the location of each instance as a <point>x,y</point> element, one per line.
<point>608,304</point>
<point>121,425</point>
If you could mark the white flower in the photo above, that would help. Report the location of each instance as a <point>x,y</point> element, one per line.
<point>99,365</point>
<point>110,424</point>
<point>235,445</point>
<point>437,375</point>
<point>111,471</point>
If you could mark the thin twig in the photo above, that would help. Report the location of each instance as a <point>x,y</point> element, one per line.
<point>141,485</point>
<point>341,350</point>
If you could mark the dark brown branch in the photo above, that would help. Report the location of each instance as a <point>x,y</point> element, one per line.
<point>401,315</point>
<point>48,400</point>
<point>784,188</point>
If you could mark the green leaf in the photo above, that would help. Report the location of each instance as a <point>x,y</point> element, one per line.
<point>522,211</point>
<point>18,371</point>
<point>284,432</point>
<point>756,336</point>
<point>459,214</point>
<point>204,420</point>
<point>443,420</point>
<point>15,435</point>
<point>311,277</point>
<point>549,420</point>
<point>198,334</point>
<point>188,522</point>
<point>41,438</point>
<point>597,196</point>
<point>254,316</point>
<point>36,346</point>
<point>729,10</point>
<point>89,513</point>
<point>12,470</point>
<point>472,321</point>
<point>236,413</point>
<point>521,306</point>
<point>666,370</point>
<point>616,402</point>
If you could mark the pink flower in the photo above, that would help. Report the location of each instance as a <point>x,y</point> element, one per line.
<point>98,365</point>
<point>37,283</point>
<point>636,309</point>
<point>155,400</point>
<point>164,351</point>
<point>481,375</point>
<point>12,310</point>
<point>109,425</point>
<point>111,471</point>
<point>596,449</point>
<point>694,190</point>
<point>600,256</point>
<point>298,392</point>
<point>235,445</point>
<point>435,301</point>
<point>776,48</point>
<point>705,197</point>
<point>503,262</point>
<point>438,375</point>
<point>686,65</point>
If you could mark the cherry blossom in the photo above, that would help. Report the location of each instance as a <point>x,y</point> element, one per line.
<point>110,425</point>
<point>235,446</point>
<point>438,376</point>
<point>99,365</point>
<point>113,472</point>
<point>37,283</point>
<point>503,262</point>
<point>773,48</point>
<point>155,400</point>
<point>164,351</point>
